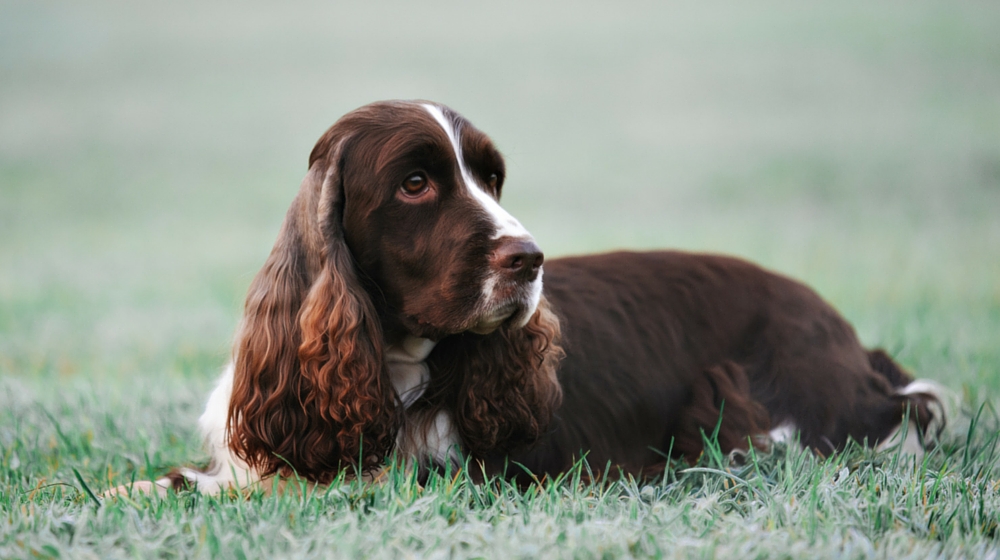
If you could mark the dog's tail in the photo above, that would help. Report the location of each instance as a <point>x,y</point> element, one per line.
<point>922,397</point>
<point>893,373</point>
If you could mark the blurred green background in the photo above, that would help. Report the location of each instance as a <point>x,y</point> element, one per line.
<point>149,150</point>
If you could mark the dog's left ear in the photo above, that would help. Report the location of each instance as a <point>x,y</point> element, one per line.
<point>311,394</point>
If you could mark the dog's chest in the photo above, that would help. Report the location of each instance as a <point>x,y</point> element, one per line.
<point>407,369</point>
<point>422,437</point>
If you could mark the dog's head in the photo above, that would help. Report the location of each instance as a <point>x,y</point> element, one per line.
<point>396,231</point>
<point>414,189</point>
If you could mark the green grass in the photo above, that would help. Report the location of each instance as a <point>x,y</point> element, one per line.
<point>148,154</point>
<point>788,502</point>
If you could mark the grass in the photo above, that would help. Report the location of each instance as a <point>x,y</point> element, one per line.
<point>148,153</point>
<point>785,503</point>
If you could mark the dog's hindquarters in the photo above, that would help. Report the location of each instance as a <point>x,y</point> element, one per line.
<point>922,402</point>
<point>817,381</point>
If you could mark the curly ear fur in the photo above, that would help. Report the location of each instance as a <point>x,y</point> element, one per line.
<point>311,394</point>
<point>504,385</point>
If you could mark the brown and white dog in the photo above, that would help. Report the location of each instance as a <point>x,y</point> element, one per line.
<point>403,309</point>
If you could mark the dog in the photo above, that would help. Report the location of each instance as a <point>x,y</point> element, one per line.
<point>403,310</point>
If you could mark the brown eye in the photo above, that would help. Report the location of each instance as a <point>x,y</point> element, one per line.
<point>493,180</point>
<point>415,184</point>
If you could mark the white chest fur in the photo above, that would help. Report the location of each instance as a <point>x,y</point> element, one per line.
<point>409,374</point>
<point>420,438</point>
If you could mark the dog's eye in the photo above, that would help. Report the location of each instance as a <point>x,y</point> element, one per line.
<point>493,180</point>
<point>415,184</point>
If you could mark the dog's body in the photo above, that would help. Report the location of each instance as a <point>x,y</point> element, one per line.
<point>402,309</point>
<point>656,342</point>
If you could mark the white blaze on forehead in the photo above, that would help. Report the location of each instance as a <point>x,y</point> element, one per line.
<point>507,225</point>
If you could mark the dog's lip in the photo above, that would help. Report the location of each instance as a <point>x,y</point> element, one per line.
<point>484,324</point>
<point>490,321</point>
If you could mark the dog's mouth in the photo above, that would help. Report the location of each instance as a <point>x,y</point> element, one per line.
<point>504,304</point>
<point>516,306</point>
<point>483,323</point>
<point>492,320</point>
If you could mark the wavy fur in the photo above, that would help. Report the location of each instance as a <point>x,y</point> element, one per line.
<point>503,386</point>
<point>311,394</point>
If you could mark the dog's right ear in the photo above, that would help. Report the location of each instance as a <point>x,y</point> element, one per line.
<point>311,394</point>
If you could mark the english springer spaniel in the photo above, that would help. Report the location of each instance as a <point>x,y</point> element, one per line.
<point>403,309</point>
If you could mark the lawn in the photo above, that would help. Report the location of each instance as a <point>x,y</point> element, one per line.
<point>148,152</point>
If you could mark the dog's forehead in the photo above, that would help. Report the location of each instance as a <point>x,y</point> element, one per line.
<point>402,117</point>
<point>426,119</point>
<point>380,132</point>
<point>388,130</point>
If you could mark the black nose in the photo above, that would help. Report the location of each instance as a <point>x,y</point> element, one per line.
<point>519,259</point>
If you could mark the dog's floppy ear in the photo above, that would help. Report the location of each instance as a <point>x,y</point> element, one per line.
<point>311,394</point>
<point>505,383</point>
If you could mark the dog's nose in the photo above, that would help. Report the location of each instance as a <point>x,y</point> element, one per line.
<point>518,258</point>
